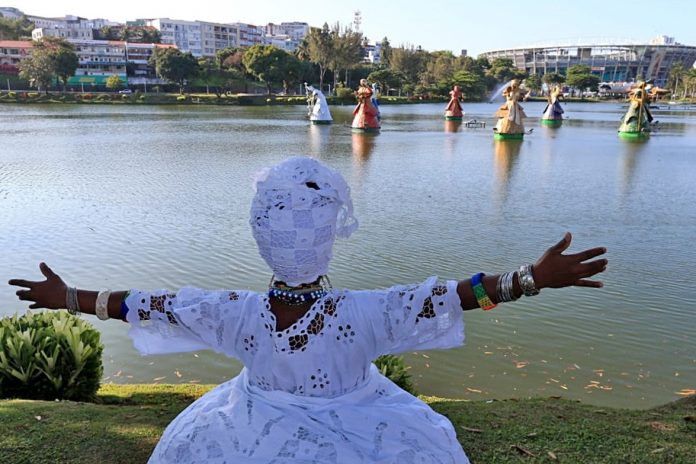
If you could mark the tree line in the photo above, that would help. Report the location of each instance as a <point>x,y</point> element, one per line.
<point>330,54</point>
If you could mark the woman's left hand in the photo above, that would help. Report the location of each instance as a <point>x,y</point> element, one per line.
<point>556,270</point>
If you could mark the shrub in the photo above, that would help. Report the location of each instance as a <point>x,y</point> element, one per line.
<point>33,94</point>
<point>345,93</point>
<point>182,98</point>
<point>12,94</point>
<point>49,355</point>
<point>394,368</point>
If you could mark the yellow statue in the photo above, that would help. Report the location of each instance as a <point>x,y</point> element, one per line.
<point>636,121</point>
<point>511,115</point>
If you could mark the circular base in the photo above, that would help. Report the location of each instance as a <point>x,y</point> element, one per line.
<point>500,136</point>
<point>365,130</point>
<point>321,121</point>
<point>634,135</point>
<point>453,118</point>
<point>552,122</point>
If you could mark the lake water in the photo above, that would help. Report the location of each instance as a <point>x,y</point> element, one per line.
<point>158,197</point>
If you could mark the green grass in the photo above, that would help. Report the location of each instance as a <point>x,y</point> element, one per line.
<point>125,424</point>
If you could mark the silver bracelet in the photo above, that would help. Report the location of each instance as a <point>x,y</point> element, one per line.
<point>71,301</point>
<point>504,290</point>
<point>526,280</point>
<point>101,306</point>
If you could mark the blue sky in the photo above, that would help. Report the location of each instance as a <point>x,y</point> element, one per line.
<point>435,24</point>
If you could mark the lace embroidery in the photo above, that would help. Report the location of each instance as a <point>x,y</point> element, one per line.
<point>428,310</point>
<point>313,323</point>
<point>161,304</point>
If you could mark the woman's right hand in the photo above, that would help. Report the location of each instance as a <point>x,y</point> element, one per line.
<point>49,293</point>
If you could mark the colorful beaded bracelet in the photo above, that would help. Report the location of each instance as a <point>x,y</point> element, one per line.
<point>482,298</point>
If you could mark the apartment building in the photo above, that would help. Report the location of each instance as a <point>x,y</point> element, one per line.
<point>203,38</point>
<point>12,52</point>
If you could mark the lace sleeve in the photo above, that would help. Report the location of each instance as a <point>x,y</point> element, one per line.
<point>425,316</point>
<point>188,320</point>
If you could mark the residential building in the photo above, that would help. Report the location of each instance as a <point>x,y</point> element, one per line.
<point>202,38</point>
<point>287,36</point>
<point>186,35</point>
<point>12,52</point>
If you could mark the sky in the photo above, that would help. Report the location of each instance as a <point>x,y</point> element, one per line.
<point>475,26</point>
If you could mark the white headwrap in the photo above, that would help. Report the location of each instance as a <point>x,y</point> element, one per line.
<point>295,224</point>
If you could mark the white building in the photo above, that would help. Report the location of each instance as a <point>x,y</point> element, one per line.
<point>69,27</point>
<point>373,54</point>
<point>186,35</point>
<point>286,36</point>
<point>203,38</point>
<point>12,13</point>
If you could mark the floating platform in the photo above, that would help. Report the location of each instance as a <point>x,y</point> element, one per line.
<point>453,118</point>
<point>633,135</point>
<point>552,122</point>
<point>365,130</point>
<point>474,124</point>
<point>321,121</point>
<point>517,136</point>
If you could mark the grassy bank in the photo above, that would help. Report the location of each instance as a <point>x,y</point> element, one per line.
<point>126,423</point>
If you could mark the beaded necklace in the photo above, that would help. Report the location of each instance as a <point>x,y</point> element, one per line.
<point>295,296</point>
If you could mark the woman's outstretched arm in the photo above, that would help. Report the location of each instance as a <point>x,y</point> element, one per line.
<point>52,293</point>
<point>553,270</point>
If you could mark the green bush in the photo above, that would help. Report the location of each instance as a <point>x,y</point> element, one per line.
<point>49,355</point>
<point>394,368</point>
<point>12,94</point>
<point>182,98</point>
<point>33,94</point>
<point>344,93</point>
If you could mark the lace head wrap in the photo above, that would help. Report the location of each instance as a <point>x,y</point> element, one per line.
<point>299,208</point>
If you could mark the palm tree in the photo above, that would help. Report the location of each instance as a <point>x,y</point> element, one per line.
<point>676,75</point>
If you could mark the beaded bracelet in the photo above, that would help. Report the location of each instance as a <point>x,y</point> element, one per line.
<point>123,314</point>
<point>482,298</point>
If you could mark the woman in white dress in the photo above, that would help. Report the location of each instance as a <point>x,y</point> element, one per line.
<point>309,392</point>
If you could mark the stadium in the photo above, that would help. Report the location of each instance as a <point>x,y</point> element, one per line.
<point>610,60</point>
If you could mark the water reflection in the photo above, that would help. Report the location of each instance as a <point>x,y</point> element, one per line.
<point>363,146</point>
<point>505,155</point>
<point>453,126</point>
<point>318,138</point>
<point>630,155</point>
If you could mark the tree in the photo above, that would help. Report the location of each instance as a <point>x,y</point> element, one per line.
<point>113,82</point>
<point>15,29</point>
<point>385,51</point>
<point>319,49</point>
<point>504,70</point>
<point>65,61</point>
<point>676,76</point>
<point>38,70</point>
<point>553,79</point>
<point>409,61</point>
<point>533,83</point>
<point>51,57</point>
<point>175,66</point>
<point>267,63</point>
<point>387,79</point>
<point>473,85</point>
<point>347,49</point>
<point>580,77</point>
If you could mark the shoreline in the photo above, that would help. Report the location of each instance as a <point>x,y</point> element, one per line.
<point>139,98</point>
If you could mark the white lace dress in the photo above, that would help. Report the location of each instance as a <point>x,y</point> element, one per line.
<point>308,394</point>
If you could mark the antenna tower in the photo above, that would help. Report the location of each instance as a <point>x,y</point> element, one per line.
<point>357,20</point>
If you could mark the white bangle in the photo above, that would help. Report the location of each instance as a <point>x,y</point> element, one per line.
<point>101,307</point>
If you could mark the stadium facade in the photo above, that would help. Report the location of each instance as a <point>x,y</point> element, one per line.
<point>610,60</point>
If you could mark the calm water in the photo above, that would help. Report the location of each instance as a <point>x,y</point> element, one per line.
<point>147,197</point>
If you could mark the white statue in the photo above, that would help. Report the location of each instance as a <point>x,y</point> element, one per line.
<point>318,109</point>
